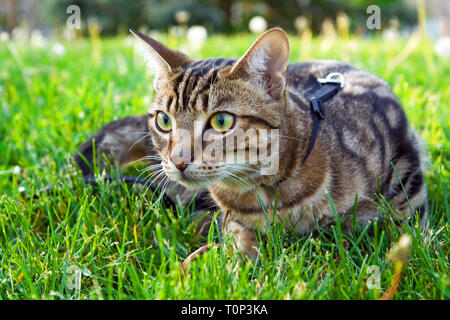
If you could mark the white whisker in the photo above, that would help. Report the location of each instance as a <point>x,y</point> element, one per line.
<point>138,140</point>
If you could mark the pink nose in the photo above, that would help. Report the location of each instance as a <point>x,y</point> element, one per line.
<point>179,163</point>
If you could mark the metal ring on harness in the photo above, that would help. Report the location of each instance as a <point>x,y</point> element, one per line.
<point>333,77</point>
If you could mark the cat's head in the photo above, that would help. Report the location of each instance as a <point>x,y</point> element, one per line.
<point>201,106</point>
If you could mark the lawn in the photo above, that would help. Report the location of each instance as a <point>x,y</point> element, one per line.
<point>112,242</point>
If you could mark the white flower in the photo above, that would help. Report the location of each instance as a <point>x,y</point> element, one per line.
<point>442,47</point>
<point>16,170</point>
<point>4,36</point>
<point>58,49</point>
<point>301,23</point>
<point>390,34</point>
<point>257,24</point>
<point>19,34</point>
<point>404,242</point>
<point>21,189</point>
<point>37,39</point>
<point>400,252</point>
<point>196,36</point>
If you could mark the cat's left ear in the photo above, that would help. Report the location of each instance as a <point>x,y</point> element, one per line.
<point>161,60</point>
<point>266,62</point>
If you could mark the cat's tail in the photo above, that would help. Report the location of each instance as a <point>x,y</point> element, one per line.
<point>122,142</point>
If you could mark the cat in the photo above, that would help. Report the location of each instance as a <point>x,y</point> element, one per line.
<point>364,135</point>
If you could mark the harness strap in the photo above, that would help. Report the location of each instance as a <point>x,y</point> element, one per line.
<point>330,87</point>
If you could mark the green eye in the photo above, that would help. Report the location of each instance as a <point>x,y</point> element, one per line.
<point>163,122</point>
<point>222,121</point>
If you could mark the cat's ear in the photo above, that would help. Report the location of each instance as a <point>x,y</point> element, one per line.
<point>266,62</point>
<point>160,59</point>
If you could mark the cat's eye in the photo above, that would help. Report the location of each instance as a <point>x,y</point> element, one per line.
<point>163,122</point>
<point>222,121</point>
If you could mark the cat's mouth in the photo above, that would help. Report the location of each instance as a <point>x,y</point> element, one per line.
<point>193,177</point>
<point>198,177</point>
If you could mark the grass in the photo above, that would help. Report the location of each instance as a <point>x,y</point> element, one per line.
<point>112,242</point>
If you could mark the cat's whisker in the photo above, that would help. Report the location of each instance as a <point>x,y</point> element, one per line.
<point>243,170</point>
<point>151,175</point>
<point>157,174</point>
<point>138,140</point>
<point>284,136</point>
<point>154,165</point>
<point>254,161</point>
<point>240,181</point>
<point>249,187</point>
<point>240,166</point>
<point>146,169</point>
<point>150,157</point>
<point>224,187</point>
<point>164,177</point>
<point>146,158</point>
<point>165,186</point>
<point>179,188</point>
<point>225,181</point>
<point>165,182</point>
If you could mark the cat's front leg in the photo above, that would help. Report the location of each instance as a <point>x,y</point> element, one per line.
<point>243,238</point>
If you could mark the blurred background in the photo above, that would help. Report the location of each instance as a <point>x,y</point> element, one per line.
<point>48,17</point>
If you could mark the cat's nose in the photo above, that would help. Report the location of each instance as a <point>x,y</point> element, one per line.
<point>180,163</point>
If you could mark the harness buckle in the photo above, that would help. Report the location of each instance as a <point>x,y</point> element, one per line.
<point>333,78</point>
<point>317,108</point>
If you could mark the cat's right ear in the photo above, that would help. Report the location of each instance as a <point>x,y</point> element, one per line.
<point>265,64</point>
<point>160,59</point>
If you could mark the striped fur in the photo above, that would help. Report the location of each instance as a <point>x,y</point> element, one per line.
<point>364,135</point>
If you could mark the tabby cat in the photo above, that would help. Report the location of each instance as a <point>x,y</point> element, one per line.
<point>363,135</point>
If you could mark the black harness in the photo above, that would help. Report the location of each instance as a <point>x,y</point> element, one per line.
<point>330,86</point>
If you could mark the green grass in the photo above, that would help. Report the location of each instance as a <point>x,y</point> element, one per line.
<point>124,245</point>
